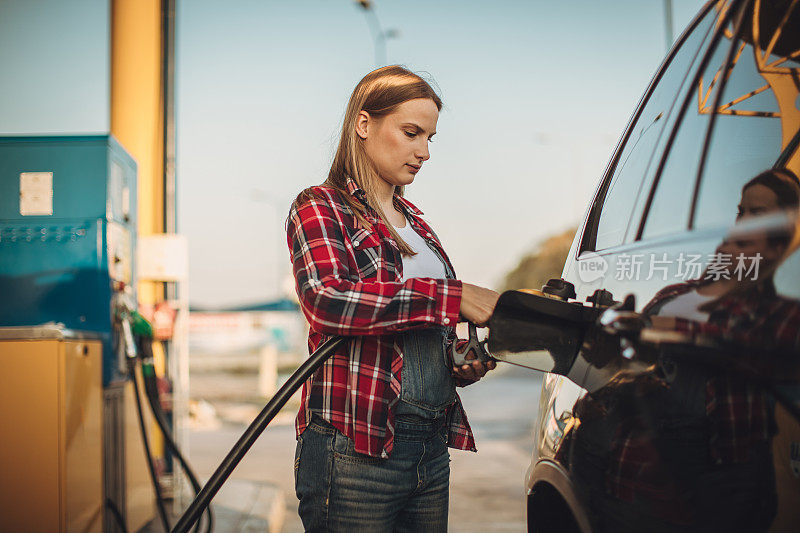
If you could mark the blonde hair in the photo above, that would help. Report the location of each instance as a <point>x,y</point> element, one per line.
<point>378,93</point>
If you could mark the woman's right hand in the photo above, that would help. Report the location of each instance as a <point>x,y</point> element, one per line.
<point>477,303</point>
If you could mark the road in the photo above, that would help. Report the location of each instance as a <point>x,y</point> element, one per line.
<point>487,488</point>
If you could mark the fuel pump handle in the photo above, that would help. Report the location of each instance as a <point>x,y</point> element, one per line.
<point>459,354</point>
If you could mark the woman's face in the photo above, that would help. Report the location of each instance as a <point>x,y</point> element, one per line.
<point>397,144</point>
<point>757,200</point>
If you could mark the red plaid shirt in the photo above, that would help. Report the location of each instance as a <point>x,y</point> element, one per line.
<point>737,410</point>
<point>348,280</point>
<point>758,317</point>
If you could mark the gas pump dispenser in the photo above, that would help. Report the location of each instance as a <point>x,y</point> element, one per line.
<point>67,235</point>
<point>67,274</point>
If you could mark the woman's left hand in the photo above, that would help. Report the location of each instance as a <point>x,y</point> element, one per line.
<point>475,370</point>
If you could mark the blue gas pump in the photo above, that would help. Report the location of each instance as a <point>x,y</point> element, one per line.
<point>67,249</point>
<point>67,236</point>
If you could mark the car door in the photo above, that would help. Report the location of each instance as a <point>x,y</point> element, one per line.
<point>604,233</point>
<point>696,224</point>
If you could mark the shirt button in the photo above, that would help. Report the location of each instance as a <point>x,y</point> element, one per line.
<point>355,243</point>
<point>446,321</point>
<point>428,235</point>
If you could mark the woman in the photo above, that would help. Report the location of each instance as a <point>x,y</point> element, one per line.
<point>376,419</point>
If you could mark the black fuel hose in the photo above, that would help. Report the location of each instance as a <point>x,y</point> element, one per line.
<point>162,512</point>
<point>145,352</point>
<point>151,392</point>
<point>117,515</point>
<point>252,433</point>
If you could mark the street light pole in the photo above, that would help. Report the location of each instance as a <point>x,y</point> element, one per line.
<point>668,32</point>
<point>379,35</point>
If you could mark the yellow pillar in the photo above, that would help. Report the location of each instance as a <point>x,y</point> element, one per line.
<point>137,117</point>
<point>136,104</point>
<point>137,121</point>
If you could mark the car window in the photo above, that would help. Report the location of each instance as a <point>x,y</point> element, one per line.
<point>671,204</point>
<point>752,158</point>
<point>632,164</point>
<point>757,117</point>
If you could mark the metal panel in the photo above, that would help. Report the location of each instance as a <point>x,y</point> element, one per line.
<point>114,454</point>
<point>81,405</point>
<point>139,494</point>
<point>29,486</point>
<point>50,402</point>
<point>83,175</point>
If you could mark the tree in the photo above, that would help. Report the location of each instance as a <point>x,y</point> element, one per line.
<point>544,262</point>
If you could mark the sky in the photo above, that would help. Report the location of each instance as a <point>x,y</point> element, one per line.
<point>55,71</point>
<point>536,94</point>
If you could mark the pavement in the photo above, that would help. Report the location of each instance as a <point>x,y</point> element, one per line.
<point>487,489</point>
<point>241,506</point>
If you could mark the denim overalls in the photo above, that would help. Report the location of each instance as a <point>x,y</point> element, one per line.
<point>427,387</point>
<point>342,490</point>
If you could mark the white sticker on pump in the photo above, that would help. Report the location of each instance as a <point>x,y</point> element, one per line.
<point>35,193</point>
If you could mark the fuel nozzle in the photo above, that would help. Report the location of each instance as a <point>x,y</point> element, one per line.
<point>460,351</point>
<point>143,334</point>
<point>141,327</point>
<point>124,307</point>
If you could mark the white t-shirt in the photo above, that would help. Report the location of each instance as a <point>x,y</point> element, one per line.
<point>425,264</point>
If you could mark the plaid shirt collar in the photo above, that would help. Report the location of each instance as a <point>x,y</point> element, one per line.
<point>355,190</point>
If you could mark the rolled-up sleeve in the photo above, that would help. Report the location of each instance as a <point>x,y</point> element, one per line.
<point>335,304</point>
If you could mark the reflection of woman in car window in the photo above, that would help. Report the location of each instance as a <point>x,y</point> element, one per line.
<point>698,451</point>
<point>770,192</point>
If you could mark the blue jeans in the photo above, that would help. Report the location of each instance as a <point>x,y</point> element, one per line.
<point>342,490</point>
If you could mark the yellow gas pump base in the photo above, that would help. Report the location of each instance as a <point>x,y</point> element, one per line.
<point>51,456</point>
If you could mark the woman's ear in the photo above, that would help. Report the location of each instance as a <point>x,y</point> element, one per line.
<point>362,123</point>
